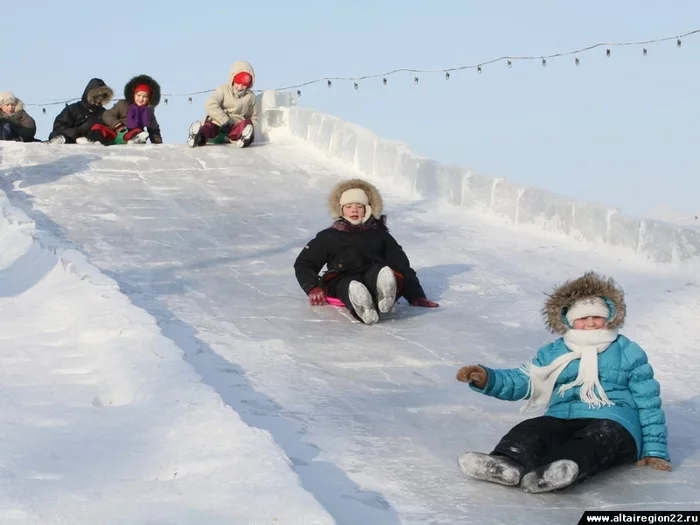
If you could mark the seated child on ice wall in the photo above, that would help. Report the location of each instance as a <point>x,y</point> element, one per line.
<point>15,122</point>
<point>232,111</point>
<point>366,268</point>
<point>81,122</point>
<point>603,403</point>
<point>134,118</point>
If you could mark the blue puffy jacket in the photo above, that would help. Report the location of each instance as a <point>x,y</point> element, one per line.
<point>627,378</point>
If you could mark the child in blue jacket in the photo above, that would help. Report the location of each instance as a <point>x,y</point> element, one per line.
<point>603,404</point>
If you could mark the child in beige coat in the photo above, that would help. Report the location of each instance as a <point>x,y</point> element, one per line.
<point>232,111</point>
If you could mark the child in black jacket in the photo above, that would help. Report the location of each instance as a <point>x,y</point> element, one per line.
<point>367,269</point>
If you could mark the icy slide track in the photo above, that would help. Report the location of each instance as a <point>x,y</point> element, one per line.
<point>370,419</point>
<point>103,422</point>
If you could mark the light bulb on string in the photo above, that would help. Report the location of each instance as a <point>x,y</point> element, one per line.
<point>607,52</point>
<point>644,51</point>
<point>189,99</point>
<point>329,83</point>
<point>544,62</point>
<point>577,61</point>
<point>478,69</point>
<point>510,63</point>
<point>447,75</point>
<point>356,85</point>
<point>678,43</point>
<point>415,80</point>
<point>384,81</point>
<point>165,101</point>
<point>298,92</point>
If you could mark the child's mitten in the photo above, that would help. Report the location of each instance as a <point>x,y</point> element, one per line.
<point>473,374</point>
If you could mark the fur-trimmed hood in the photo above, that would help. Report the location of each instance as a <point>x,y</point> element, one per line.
<point>97,93</point>
<point>590,285</point>
<point>7,97</point>
<point>130,86</point>
<point>375,198</point>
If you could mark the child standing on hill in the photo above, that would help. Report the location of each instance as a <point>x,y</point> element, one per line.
<point>134,118</point>
<point>604,408</point>
<point>367,269</point>
<point>15,122</point>
<point>232,111</point>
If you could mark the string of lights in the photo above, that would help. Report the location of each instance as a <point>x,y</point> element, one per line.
<point>479,67</point>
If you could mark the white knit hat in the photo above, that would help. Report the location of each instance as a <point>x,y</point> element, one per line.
<point>6,97</point>
<point>356,196</point>
<point>588,307</point>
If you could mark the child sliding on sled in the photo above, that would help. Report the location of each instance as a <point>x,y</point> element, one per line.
<point>81,122</point>
<point>133,119</point>
<point>604,408</point>
<point>15,122</point>
<point>367,269</point>
<point>232,111</point>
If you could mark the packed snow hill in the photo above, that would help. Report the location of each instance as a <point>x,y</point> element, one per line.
<point>162,365</point>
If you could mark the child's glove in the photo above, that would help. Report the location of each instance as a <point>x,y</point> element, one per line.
<point>226,128</point>
<point>655,463</point>
<point>426,303</point>
<point>317,297</point>
<point>473,374</point>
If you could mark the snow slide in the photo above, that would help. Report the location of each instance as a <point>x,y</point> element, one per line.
<point>103,421</point>
<point>371,419</point>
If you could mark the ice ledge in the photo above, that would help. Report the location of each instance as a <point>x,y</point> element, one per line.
<point>372,155</point>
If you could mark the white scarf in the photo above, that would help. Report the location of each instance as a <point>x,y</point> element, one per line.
<point>584,345</point>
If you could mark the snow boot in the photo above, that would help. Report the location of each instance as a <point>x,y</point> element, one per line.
<point>193,138</point>
<point>84,140</point>
<point>58,139</point>
<point>362,303</point>
<point>386,289</point>
<point>246,135</point>
<point>496,469</point>
<point>554,476</point>
<point>140,138</point>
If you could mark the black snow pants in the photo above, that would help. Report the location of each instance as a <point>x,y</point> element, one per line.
<point>595,445</point>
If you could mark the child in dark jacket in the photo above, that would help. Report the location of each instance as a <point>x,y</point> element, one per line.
<point>81,122</point>
<point>603,403</point>
<point>134,118</point>
<point>366,268</point>
<point>15,122</point>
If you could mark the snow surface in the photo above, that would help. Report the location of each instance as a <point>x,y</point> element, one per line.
<point>104,422</point>
<point>371,419</point>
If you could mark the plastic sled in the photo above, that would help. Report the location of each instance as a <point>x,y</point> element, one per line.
<point>120,137</point>
<point>334,301</point>
<point>219,139</point>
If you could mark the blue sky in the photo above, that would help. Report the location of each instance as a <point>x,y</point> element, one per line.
<point>620,130</point>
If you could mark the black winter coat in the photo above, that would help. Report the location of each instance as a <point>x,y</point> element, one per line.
<point>353,253</point>
<point>78,118</point>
